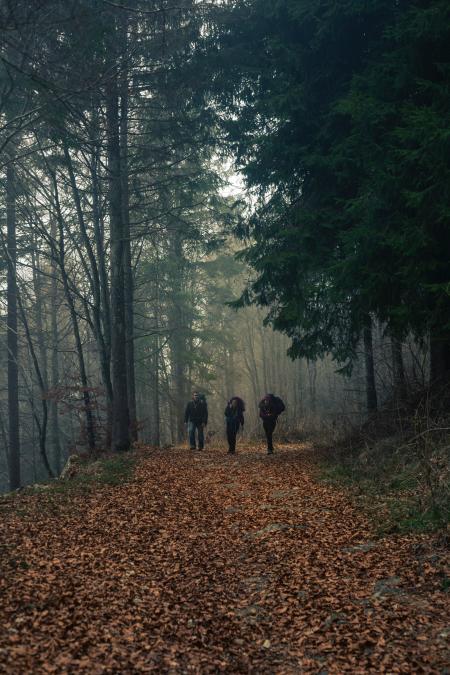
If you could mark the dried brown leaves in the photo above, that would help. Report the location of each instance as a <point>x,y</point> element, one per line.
<point>207,563</point>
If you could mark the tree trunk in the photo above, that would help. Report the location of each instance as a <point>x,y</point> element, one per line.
<point>439,358</point>
<point>156,415</point>
<point>398,369</point>
<point>120,436</point>
<point>264,359</point>
<point>60,252</point>
<point>230,385</point>
<point>177,328</point>
<point>371,391</point>
<point>41,424</point>
<point>94,276</point>
<point>11,326</point>
<point>128,271</point>
<point>4,438</point>
<point>312,378</point>
<point>105,313</point>
<point>39,312</point>
<point>53,405</point>
<point>155,393</point>
<point>178,380</point>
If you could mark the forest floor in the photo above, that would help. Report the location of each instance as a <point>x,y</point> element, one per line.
<point>206,563</point>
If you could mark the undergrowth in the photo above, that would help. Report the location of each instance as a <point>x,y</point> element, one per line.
<point>54,496</point>
<point>109,471</point>
<point>398,466</point>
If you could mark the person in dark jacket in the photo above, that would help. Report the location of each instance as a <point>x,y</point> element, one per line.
<point>196,418</point>
<point>269,408</point>
<point>234,418</point>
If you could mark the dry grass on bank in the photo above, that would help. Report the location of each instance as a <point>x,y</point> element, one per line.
<point>399,464</point>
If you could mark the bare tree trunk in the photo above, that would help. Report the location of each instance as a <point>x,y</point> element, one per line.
<point>39,313</point>
<point>4,437</point>
<point>439,358</point>
<point>120,437</point>
<point>128,272</point>
<point>11,325</point>
<point>164,381</point>
<point>398,369</point>
<point>371,391</point>
<point>312,378</point>
<point>249,362</point>
<point>90,432</point>
<point>105,313</point>
<point>41,424</point>
<point>177,328</point>
<point>156,415</point>
<point>53,405</point>
<point>94,277</point>
<point>251,358</point>
<point>230,386</point>
<point>264,359</point>
<point>301,392</point>
<point>178,380</point>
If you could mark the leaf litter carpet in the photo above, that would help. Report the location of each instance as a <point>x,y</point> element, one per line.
<point>206,563</point>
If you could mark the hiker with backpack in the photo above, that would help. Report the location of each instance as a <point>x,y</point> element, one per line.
<point>196,418</point>
<point>234,417</point>
<point>270,407</point>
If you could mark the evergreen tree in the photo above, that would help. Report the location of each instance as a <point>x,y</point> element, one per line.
<point>338,115</point>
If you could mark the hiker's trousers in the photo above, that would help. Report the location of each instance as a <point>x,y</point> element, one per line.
<point>192,426</point>
<point>269,424</point>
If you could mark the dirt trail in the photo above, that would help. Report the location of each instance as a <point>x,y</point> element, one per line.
<point>206,563</point>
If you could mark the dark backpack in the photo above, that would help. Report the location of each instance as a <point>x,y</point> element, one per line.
<point>240,403</point>
<point>278,405</point>
<point>275,407</point>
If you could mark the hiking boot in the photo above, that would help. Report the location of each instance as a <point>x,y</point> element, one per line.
<point>192,447</point>
<point>270,451</point>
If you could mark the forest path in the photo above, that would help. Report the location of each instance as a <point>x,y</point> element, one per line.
<point>207,563</point>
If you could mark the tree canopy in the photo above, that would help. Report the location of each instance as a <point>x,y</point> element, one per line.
<point>339,117</point>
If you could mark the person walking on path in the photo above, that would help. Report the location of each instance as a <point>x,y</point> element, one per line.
<point>196,418</point>
<point>234,417</point>
<point>269,408</point>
